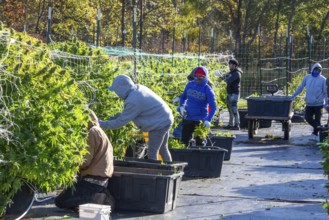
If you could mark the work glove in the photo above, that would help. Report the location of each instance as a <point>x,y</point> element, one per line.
<point>175,100</point>
<point>182,111</point>
<point>218,73</point>
<point>207,124</point>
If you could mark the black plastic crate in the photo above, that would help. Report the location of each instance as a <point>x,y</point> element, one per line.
<point>263,123</point>
<point>222,142</point>
<point>150,164</point>
<point>269,106</point>
<point>141,189</point>
<point>21,202</point>
<point>202,162</point>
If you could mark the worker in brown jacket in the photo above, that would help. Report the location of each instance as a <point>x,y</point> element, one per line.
<point>97,168</point>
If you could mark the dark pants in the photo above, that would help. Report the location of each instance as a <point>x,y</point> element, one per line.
<point>313,117</point>
<point>187,131</point>
<point>84,192</point>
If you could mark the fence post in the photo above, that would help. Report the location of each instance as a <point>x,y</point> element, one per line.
<point>259,64</point>
<point>94,31</point>
<point>212,41</point>
<point>279,62</point>
<point>98,27</point>
<point>290,56</point>
<point>287,60</point>
<point>173,47</point>
<point>162,47</point>
<point>310,53</point>
<point>199,45</point>
<point>309,48</point>
<point>184,41</point>
<point>134,38</point>
<point>162,41</point>
<point>123,29</point>
<point>141,25</point>
<point>49,24</point>
<point>231,42</point>
<point>324,47</point>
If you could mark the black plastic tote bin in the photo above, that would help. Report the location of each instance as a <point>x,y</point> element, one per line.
<point>21,202</point>
<point>150,164</point>
<point>141,189</point>
<point>263,123</point>
<point>202,162</point>
<point>269,106</point>
<point>222,142</point>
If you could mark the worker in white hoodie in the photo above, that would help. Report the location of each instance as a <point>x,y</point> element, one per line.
<point>147,110</point>
<point>316,96</point>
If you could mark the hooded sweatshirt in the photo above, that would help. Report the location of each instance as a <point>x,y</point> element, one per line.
<point>196,98</point>
<point>99,161</point>
<point>316,89</point>
<point>232,80</point>
<point>141,105</point>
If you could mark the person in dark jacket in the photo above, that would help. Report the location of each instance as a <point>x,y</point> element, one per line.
<point>94,173</point>
<point>232,79</point>
<point>147,110</point>
<point>194,102</point>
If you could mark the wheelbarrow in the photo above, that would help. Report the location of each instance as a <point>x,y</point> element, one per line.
<point>277,108</point>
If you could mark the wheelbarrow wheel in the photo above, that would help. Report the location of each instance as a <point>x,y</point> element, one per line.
<point>286,128</point>
<point>251,128</point>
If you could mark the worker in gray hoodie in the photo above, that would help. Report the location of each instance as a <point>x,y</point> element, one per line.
<point>316,96</point>
<point>147,110</point>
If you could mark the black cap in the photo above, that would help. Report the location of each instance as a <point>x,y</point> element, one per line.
<point>233,61</point>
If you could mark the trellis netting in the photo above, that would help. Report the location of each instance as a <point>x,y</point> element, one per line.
<point>43,118</point>
<point>45,95</point>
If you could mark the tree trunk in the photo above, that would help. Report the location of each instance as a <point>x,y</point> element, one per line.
<point>41,8</point>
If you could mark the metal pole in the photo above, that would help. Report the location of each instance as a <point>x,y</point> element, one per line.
<point>162,41</point>
<point>287,60</point>
<point>49,24</point>
<point>141,25</point>
<point>123,29</point>
<point>162,47</point>
<point>212,41</point>
<point>310,53</point>
<point>259,65</point>
<point>94,34</point>
<point>309,48</point>
<point>290,56</point>
<point>279,61</point>
<point>98,27</point>
<point>134,39</point>
<point>199,44</point>
<point>231,42</point>
<point>324,48</point>
<point>184,42</point>
<point>173,47</point>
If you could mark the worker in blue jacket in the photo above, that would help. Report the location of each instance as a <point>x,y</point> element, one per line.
<point>194,103</point>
